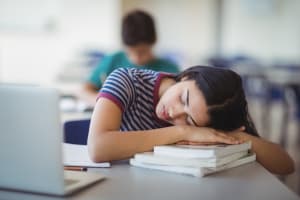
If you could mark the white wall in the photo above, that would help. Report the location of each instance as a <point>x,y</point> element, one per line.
<point>266,29</point>
<point>37,56</point>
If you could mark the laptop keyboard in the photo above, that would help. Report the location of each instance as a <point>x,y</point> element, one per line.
<point>70,182</point>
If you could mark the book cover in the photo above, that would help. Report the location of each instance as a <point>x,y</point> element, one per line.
<point>151,158</point>
<point>194,171</point>
<point>200,151</point>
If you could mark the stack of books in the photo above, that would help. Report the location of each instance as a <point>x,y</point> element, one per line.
<point>194,160</point>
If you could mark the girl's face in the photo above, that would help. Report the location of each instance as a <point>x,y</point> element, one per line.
<point>183,104</point>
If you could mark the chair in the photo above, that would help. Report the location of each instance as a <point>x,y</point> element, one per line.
<point>76,132</point>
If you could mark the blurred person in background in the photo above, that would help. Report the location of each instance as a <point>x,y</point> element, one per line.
<point>138,37</point>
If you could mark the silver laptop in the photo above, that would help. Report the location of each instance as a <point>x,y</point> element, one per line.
<point>31,143</point>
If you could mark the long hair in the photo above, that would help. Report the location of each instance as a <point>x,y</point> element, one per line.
<point>224,96</point>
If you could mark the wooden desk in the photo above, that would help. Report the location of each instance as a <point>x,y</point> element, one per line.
<point>125,182</point>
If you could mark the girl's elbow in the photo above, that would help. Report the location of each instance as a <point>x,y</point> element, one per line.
<point>92,152</point>
<point>285,164</point>
<point>286,171</point>
<point>98,158</point>
<point>291,167</point>
<point>97,152</point>
<point>288,168</point>
<point>96,155</point>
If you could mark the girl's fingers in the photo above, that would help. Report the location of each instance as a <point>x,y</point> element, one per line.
<point>183,142</point>
<point>226,135</point>
<point>223,138</point>
<point>211,136</point>
<point>203,143</point>
<point>197,143</point>
<point>217,141</point>
<point>241,129</point>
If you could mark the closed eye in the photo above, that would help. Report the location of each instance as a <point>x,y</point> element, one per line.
<point>189,118</point>
<point>187,98</point>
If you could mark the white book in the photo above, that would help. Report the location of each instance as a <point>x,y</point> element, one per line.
<point>194,171</point>
<point>200,151</point>
<point>77,155</point>
<point>151,158</point>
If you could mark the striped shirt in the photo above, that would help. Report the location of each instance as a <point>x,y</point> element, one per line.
<point>135,92</point>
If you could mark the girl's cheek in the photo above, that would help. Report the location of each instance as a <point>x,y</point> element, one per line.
<point>179,122</point>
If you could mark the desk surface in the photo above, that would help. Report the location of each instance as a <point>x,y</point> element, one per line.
<point>124,182</point>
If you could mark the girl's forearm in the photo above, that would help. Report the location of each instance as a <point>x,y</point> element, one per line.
<point>116,145</point>
<point>271,156</point>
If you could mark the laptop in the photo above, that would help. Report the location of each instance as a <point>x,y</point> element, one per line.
<point>31,143</point>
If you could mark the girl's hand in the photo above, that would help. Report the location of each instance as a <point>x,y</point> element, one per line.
<point>207,136</point>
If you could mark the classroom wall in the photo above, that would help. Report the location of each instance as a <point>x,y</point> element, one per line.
<point>266,29</point>
<point>33,55</point>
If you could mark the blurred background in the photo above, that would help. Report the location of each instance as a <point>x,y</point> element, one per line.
<point>59,42</point>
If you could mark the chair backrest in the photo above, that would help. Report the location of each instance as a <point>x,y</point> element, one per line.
<point>76,132</point>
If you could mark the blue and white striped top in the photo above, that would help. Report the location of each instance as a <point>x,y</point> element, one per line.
<point>135,92</point>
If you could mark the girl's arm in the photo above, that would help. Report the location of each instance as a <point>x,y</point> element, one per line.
<point>106,142</point>
<point>268,154</point>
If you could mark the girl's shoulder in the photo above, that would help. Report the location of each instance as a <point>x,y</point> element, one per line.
<point>135,73</point>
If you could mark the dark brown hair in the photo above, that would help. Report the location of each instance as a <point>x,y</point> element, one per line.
<point>224,95</point>
<point>138,27</point>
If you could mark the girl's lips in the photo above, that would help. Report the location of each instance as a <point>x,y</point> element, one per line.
<point>165,114</point>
